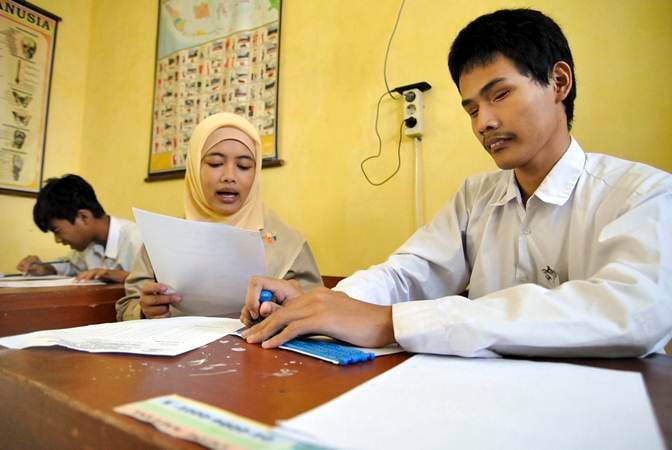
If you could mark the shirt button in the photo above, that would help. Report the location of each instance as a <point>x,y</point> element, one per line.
<point>526,231</point>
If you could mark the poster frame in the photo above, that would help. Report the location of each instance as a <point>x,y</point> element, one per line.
<point>272,160</point>
<point>43,97</point>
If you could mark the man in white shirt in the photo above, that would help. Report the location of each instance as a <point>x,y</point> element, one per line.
<point>103,247</point>
<point>563,253</point>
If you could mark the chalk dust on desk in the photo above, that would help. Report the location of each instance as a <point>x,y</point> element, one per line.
<point>284,373</point>
<point>224,342</point>
<point>196,362</point>
<point>212,366</point>
<point>212,373</point>
<point>238,349</point>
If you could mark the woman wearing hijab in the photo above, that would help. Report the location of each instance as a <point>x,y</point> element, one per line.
<point>222,184</point>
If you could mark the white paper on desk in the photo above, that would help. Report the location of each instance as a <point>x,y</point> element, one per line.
<point>435,402</point>
<point>161,337</point>
<point>48,281</point>
<point>32,277</point>
<point>208,264</point>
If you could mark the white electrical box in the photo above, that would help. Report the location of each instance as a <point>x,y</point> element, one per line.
<point>414,124</point>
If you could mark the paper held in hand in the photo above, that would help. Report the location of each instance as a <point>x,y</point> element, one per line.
<point>208,264</point>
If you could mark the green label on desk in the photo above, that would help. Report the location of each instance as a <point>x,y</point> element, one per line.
<point>209,426</point>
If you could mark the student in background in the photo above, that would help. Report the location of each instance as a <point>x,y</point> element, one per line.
<point>223,184</point>
<point>564,253</point>
<point>103,247</point>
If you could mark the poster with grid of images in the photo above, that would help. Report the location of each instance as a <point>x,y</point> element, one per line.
<point>213,56</point>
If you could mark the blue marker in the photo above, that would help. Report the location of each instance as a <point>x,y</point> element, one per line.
<point>265,296</point>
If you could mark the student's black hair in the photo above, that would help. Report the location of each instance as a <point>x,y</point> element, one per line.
<point>531,40</point>
<point>61,198</point>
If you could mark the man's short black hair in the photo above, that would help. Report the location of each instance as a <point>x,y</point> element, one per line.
<point>531,40</point>
<point>61,198</point>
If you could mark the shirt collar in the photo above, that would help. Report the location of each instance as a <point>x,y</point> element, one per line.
<point>558,184</point>
<point>510,190</point>
<point>112,245</point>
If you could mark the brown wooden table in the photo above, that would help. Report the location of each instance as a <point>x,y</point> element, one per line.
<point>30,309</point>
<point>23,310</point>
<point>58,398</point>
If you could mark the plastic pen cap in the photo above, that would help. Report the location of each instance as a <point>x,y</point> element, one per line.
<point>265,296</point>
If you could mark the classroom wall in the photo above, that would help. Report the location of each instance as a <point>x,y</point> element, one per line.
<point>331,77</point>
<point>18,234</point>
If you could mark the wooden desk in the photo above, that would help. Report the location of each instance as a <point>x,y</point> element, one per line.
<point>330,281</point>
<point>57,398</point>
<point>30,309</point>
<point>23,310</point>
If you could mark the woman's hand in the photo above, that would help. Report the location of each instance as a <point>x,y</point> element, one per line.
<point>156,298</point>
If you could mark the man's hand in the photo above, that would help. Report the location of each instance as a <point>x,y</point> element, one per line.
<point>327,312</point>
<point>155,300</point>
<point>30,266</point>
<point>282,290</point>
<point>115,276</point>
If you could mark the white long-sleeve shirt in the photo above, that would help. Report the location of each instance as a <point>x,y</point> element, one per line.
<point>584,270</point>
<point>119,253</point>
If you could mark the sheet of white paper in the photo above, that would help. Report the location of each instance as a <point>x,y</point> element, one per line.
<point>208,264</point>
<point>32,277</point>
<point>382,351</point>
<point>164,337</point>
<point>35,282</point>
<point>435,402</point>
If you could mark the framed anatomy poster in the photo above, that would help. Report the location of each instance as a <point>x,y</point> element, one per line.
<point>213,56</point>
<point>27,41</point>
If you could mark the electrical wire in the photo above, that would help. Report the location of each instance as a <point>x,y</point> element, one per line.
<point>361,166</point>
<point>387,50</point>
<point>387,92</point>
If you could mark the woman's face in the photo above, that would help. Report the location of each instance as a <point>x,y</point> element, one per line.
<point>227,174</point>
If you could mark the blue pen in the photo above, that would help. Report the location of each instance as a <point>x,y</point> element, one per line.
<point>265,296</point>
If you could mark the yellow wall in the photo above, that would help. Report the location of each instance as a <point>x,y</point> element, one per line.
<point>331,77</point>
<point>19,236</point>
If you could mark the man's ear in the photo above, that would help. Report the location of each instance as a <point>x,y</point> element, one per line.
<point>561,80</point>
<point>85,216</point>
